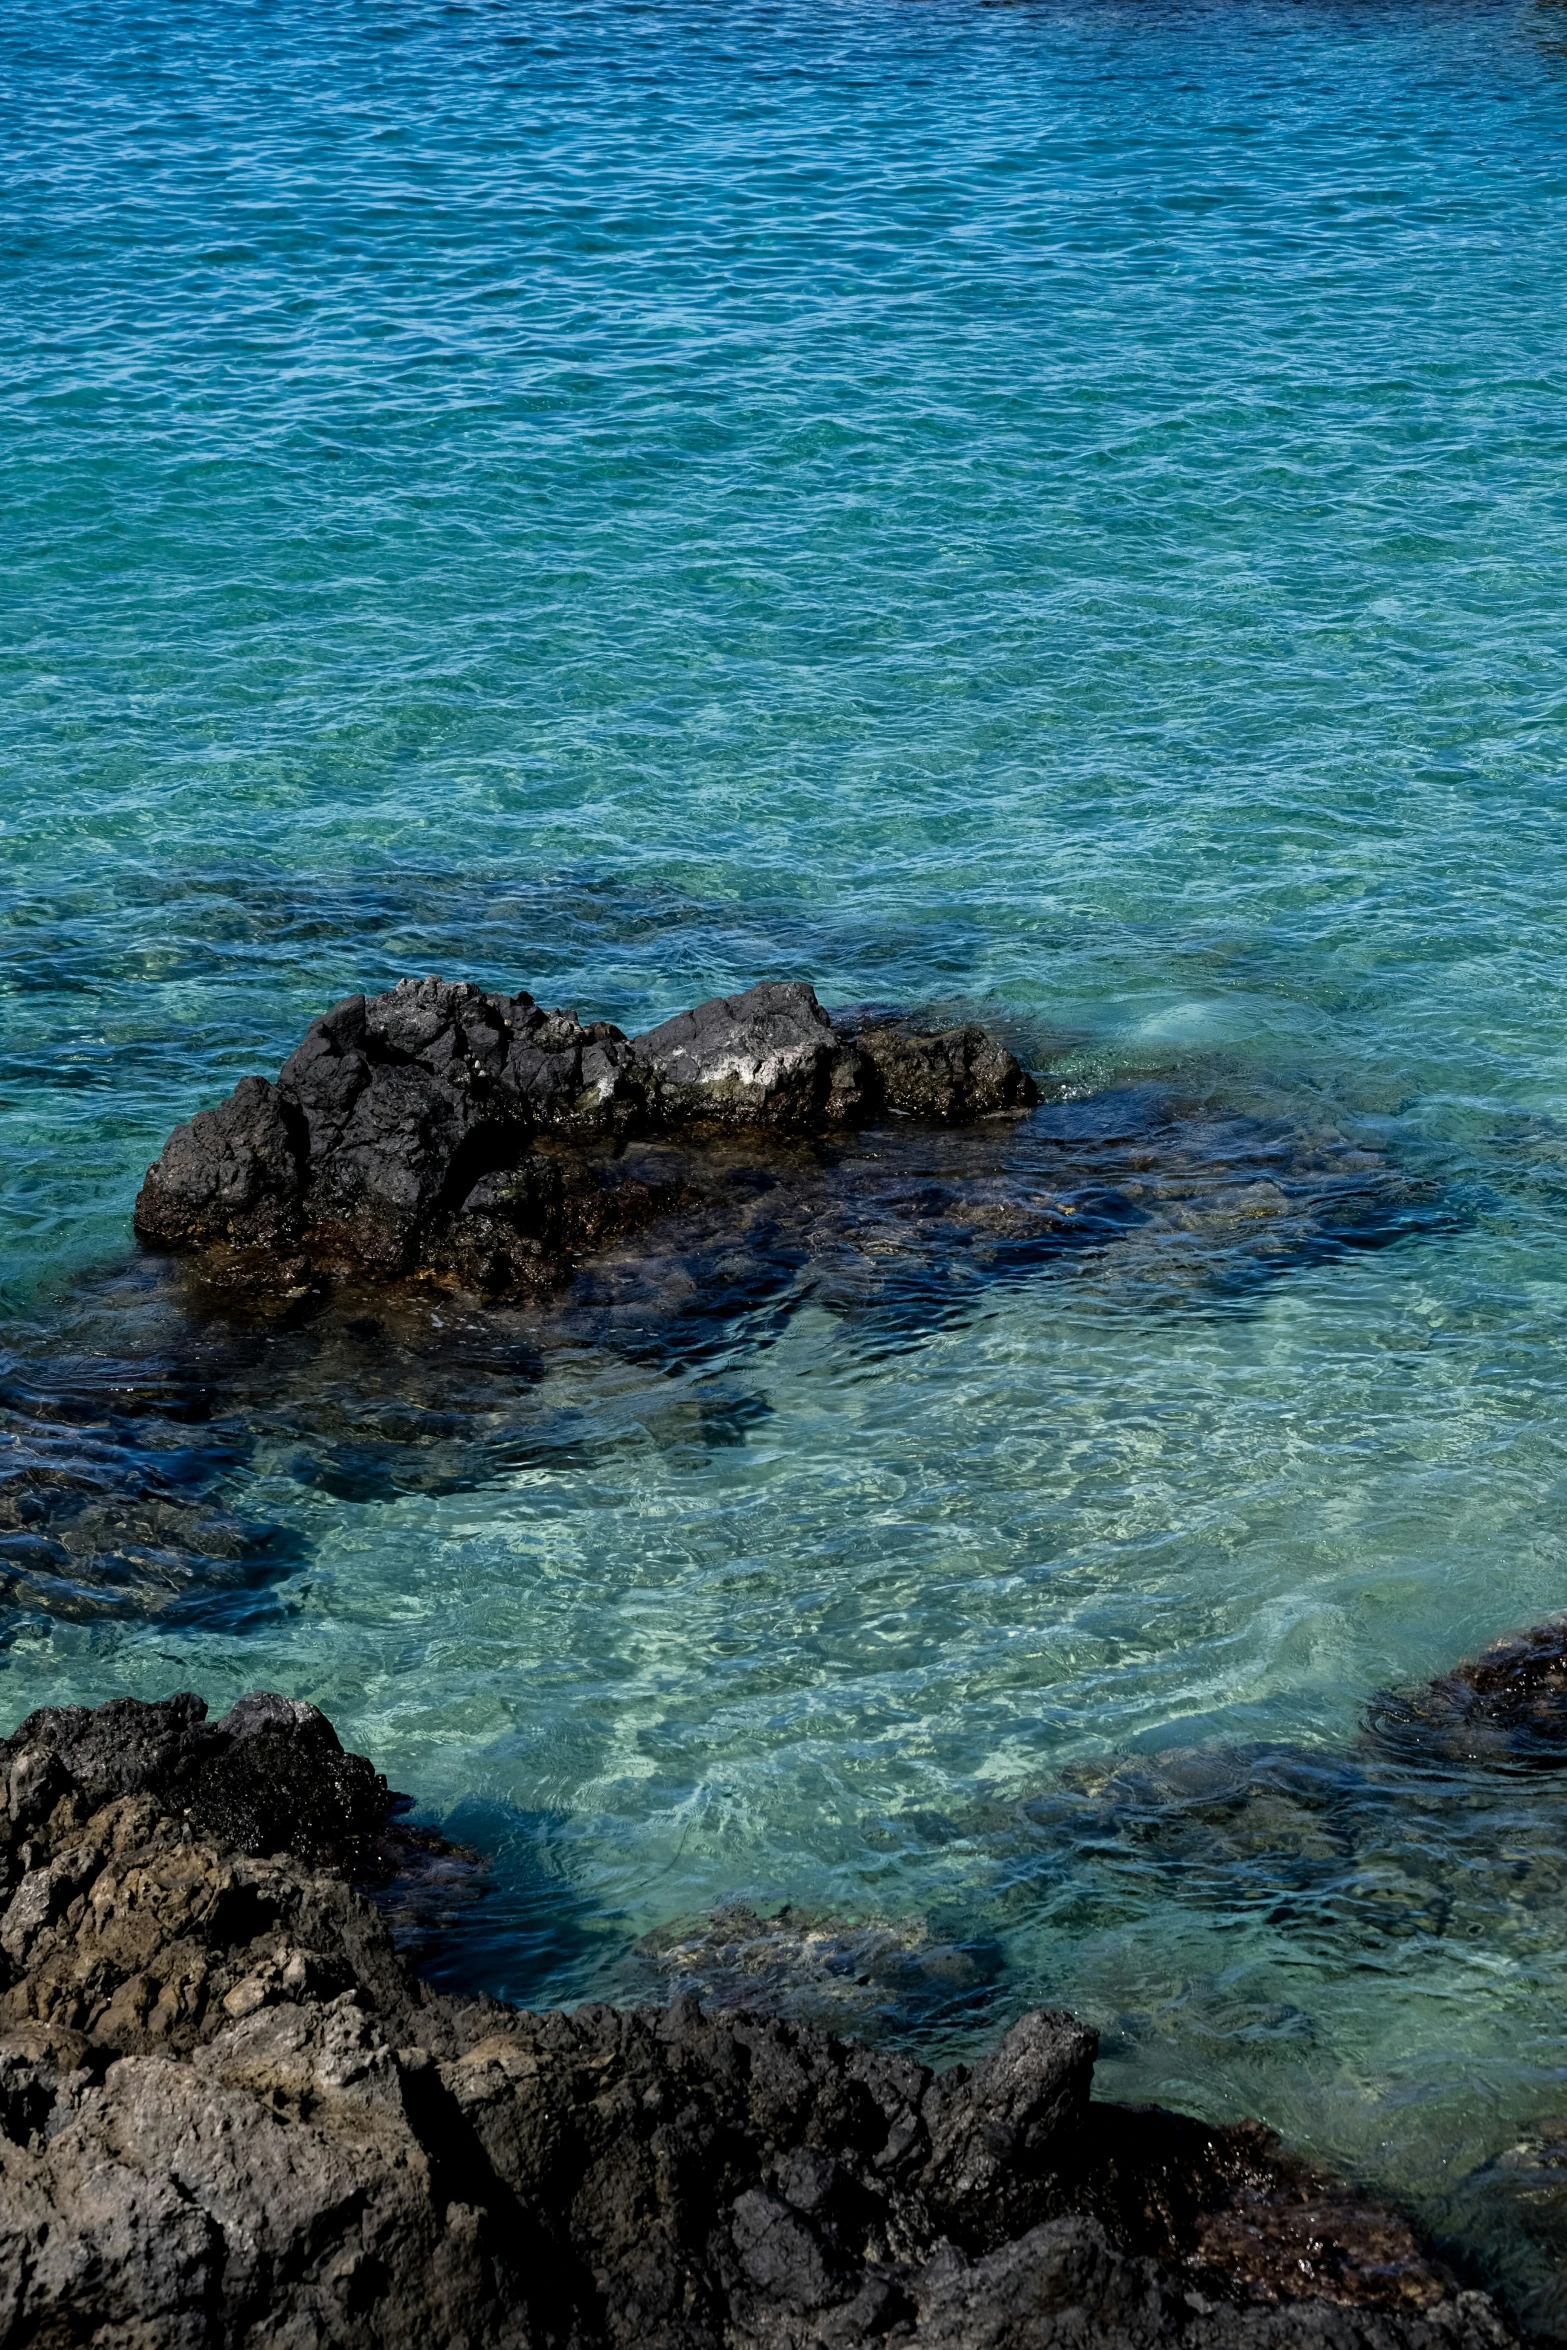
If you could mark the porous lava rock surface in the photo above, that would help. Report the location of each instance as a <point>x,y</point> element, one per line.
<point>230,2116</point>
<point>442,1129</point>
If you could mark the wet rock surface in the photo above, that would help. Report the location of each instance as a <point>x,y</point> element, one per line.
<point>1505,1710</point>
<point>228,2115</point>
<point>438,1128</point>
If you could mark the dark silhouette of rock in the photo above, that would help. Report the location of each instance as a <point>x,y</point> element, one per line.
<point>439,1128</point>
<point>228,2116</point>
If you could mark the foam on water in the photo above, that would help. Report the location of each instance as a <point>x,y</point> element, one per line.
<point>1053,508</point>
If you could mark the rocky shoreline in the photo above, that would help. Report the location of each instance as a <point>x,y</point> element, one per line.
<point>229,2114</point>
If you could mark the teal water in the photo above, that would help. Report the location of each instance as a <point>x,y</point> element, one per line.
<point>1054,508</point>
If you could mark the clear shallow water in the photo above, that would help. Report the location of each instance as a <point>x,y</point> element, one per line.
<point>1056,508</point>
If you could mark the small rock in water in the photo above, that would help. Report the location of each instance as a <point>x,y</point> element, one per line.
<point>1505,1710</point>
<point>876,1973</point>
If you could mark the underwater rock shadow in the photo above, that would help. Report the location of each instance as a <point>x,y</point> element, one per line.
<point>882,1978</point>
<point>1161,1205</point>
<point>126,1457</point>
<point>496,1910</point>
<point>1435,1805</point>
<point>1434,1823</point>
<point>97,1522</point>
<point>368,1389</point>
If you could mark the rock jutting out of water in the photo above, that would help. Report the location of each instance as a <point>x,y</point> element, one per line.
<point>229,2116</point>
<point>133,1427</point>
<point>440,1128</point>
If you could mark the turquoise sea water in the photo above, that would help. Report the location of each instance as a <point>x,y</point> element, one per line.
<point>1052,508</point>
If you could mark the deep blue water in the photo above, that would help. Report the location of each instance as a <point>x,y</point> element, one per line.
<point>1058,508</point>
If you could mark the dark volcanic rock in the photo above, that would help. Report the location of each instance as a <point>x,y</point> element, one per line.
<point>442,1129</point>
<point>1514,2213</point>
<point>767,1058</point>
<point>271,1776</point>
<point>228,2117</point>
<point>1505,1710</point>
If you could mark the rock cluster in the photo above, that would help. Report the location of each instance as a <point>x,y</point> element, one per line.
<point>440,1128</point>
<point>132,1424</point>
<point>229,2117</point>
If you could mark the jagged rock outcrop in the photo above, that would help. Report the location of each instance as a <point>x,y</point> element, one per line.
<point>440,1128</point>
<point>229,2117</point>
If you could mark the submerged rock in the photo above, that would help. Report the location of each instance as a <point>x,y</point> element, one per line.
<point>1513,2212</point>
<point>440,1128</point>
<point>1320,1842</point>
<point>228,2116</point>
<point>863,1974</point>
<point>131,1429</point>
<point>93,1527</point>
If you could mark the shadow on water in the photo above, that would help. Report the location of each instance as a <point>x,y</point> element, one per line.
<point>137,1420</point>
<point>498,1909</point>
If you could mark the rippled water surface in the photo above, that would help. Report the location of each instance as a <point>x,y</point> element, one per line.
<point>1058,509</point>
